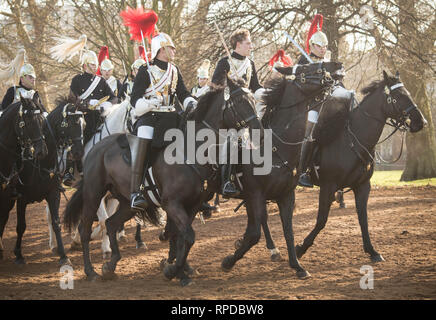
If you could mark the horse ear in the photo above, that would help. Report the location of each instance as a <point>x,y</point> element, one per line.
<point>385,76</point>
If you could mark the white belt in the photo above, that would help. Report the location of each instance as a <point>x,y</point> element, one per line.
<point>164,109</point>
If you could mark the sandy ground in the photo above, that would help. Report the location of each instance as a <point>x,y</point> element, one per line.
<point>402,225</point>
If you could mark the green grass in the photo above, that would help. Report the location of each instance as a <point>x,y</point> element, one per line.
<point>392,178</point>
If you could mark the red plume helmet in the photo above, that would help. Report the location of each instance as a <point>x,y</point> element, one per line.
<point>281,56</point>
<point>103,54</point>
<point>139,19</point>
<point>314,27</point>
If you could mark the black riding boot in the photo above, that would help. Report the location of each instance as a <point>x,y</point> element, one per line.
<point>306,157</point>
<point>139,148</point>
<point>227,177</point>
<point>69,173</point>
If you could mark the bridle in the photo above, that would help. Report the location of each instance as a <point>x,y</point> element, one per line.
<point>403,115</point>
<point>229,105</point>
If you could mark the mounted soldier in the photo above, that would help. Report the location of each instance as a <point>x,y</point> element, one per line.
<point>153,96</point>
<point>202,86</point>
<point>26,85</point>
<point>238,66</point>
<point>86,86</point>
<point>106,69</point>
<point>316,47</point>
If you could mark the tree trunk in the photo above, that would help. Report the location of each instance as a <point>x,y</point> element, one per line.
<point>421,146</point>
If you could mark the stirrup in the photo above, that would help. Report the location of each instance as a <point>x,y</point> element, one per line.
<point>305,180</point>
<point>229,189</point>
<point>68,179</point>
<point>138,202</point>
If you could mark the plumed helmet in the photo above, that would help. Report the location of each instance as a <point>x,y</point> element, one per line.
<point>203,71</point>
<point>138,63</point>
<point>89,57</point>
<point>160,41</point>
<point>106,65</point>
<point>315,35</point>
<point>27,70</point>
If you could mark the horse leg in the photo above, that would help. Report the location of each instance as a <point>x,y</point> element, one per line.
<point>4,217</point>
<point>113,223</point>
<point>53,200</point>
<point>185,240</point>
<point>52,235</point>
<point>326,196</point>
<point>139,243</point>
<point>286,206</point>
<point>216,203</point>
<point>256,211</point>
<point>85,229</point>
<point>275,253</point>
<point>21,227</point>
<point>361,194</point>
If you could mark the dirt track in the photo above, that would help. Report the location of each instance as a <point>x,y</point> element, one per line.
<point>402,224</point>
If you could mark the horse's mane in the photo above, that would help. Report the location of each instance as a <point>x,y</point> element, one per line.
<point>205,101</point>
<point>376,84</point>
<point>274,94</point>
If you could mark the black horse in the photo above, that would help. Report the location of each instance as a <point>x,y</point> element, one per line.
<point>21,140</point>
<point>180,186</point>
<point>355,145</point>
<point>288,102</point>
<point>63,130</point>
<point>286,114</point>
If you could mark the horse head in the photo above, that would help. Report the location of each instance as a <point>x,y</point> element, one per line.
<point>400,106</point>
<point>70,130</point>
<point>29,129</point>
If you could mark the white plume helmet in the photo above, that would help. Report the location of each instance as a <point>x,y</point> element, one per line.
<point>12,71</point>
<point>27,69</point>
<point>203,71</point>
<point>160,41</point>
<point>66,48</point>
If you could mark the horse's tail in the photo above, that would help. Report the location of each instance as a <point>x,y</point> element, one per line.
<point>73,209</point>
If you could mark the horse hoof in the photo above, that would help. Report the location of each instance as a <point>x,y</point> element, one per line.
<point>20,261</point>
<point>238,244</point>
<point>276,257</point>
<point>302,275</point>
<point>140,245</point>
<point>227,263</point>
<point>299,251</point>
<point>186,282</point>
<point>107,255</point>
<point>107,273</point>
<point>163,263</point>
<point>163,236</point>
<point>65,262</point>
<point>75,246</point>
<point>377,258</point>
<point>170,271</point>
<point>93,277</point>
<point>189,270</point>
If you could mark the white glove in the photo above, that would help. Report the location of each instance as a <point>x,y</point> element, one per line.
<point>93,102</point>
<point>143,105</point>
<point>258,95</point>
